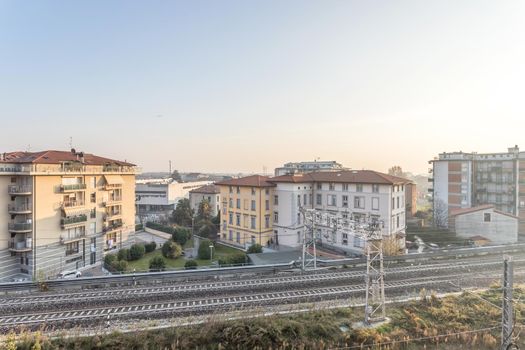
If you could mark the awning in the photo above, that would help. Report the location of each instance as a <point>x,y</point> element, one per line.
<point>74,211</point>
<point>113,179</point>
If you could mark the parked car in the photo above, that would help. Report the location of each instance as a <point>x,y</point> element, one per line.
<point>70,274</point>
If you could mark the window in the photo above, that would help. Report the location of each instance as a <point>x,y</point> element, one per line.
<point>238,220</point>
<point>319,186</point>
<point>397,221</point>
<point>298,200</point>
<point>253,240</point>
<point>304,199</point>
<point>345,187</point>
<point>319,199</point>
<point>267,204</point>
<point>245,221</point>
<point>276,200</point>
<point>375,188</point>
<point>345,201</point>
<point>231,189</point>
<point>298,218</point>
<point>398,203</point>
<point>231,202</point>
<point>93,213</point>
<point>224,225</point>
<point>267,191</point>
<point>359,202</point>
<point>238,238</point>
<point>224,211</point>
<point>253,191</point>
<point>238,203</point>
<point>358,242</point>
<point>238,190</point>
<point>393,203</point>
<point>375,203</point>
<point>230,235</point>
<point>359,188</point>
<point>93,197</point>
<point>230,221</point>
<point>332,200</point>
<point>266,221</point>
<point>402,187</point>
<point>72,248</point>
<point>252,222</point>
<point>345,239</point>
<point>253,205</point>
<point>298,236</point>
<point>486,217</point>
<point>275,217</point>
<point>310,196</point>
<point>331,186</point>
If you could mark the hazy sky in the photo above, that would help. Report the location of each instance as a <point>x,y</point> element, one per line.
<point>237,85</point>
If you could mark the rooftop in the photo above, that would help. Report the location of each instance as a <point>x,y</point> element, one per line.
<point>249,181</point>
<point>207,189</point>
<point>462,211</point>
<point>58,157</point>
<point>344,176</point>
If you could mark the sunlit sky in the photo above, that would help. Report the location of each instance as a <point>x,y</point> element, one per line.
<point>232,86</point>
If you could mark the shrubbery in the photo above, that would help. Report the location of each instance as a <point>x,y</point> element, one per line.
<point>204,252</point>
<point>151,246</point>
<point>157,263</point>
<point>136,251</point>
<point>181,235</point>
<point>123,254</point>
<point>255,248</point>
<point>171,250</point>
<point>109,258</point>
<point>119,265</point>
<point>235,259</point>
<point>190,265</point>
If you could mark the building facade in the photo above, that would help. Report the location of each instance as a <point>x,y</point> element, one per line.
<point>157,198</point>
<point>465,180</point>
<point>306,167</point>
<point>211,193</point>
<point>64,210</point>
<point>246,211</point>
<point>484,221</point>
<point>359,195</point>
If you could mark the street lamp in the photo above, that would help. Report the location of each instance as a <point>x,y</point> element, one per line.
<point>211,253</point>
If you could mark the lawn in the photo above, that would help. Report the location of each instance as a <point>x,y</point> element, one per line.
<point>143,263</point>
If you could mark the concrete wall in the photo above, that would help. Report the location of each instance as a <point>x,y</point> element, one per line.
<point>501,229</point>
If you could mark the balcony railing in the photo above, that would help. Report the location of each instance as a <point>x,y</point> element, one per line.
<point>113,227</point>
<point>20,208</point>
<point>20,226</point>
<point>20,189</point>
<point>72,187</point>
<point>70,220</point>
<point>72,238</point>
<point>112,200</point>
<point>112,216</point>
<point>73,204</point>
<point>20,246</point>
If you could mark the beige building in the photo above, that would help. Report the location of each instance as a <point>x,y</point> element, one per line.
<point>63,210</point>
<point>211,193</point>
<point>246,211</point>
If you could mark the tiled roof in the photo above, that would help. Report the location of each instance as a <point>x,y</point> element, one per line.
<point>249,181</point>
<point>344,176</point>
<point>207,189</point>
<point>57,157</point>
<point>461,211</point>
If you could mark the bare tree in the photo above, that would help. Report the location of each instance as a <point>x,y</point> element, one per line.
<point>440,213</point>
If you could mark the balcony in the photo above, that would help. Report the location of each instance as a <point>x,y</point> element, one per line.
<point>72,188</point>
<point>73,204</point>
<point>20,208</point>
<point>112,200</point>
<point>20,190</point>
<point>113,216</point>
<point>20,246</point>
<point>112,227</point>
<point>20,227</point>
<point>73,220</point>
<point>72,238</point>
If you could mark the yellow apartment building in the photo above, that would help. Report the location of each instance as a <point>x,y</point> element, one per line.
<point>62,210</point>
<point>246,215</point>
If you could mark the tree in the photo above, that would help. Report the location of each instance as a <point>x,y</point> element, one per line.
<point>136,251</point>
<point>157,263</point>
<point>171,250</point>
<point>183,213</point>
<point>190,265</point>
<point>216,220</point>
<point>181,235</point>
<point>123,254</point>
<point>176,176</point>
<point>440,213</point>
<point>204,252</point>
<point>204,211</point>
<point>109,258</point>
<point>208,230</point>
<point>396,170</point>
<point>255,248</point>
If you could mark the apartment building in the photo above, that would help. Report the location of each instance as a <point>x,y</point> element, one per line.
<point>361,195</point>
<point>63,210</point>
<point>465,180</point>
<point>306,167</point>
<point>246,216</point>
<point>211,193</point>
<point>157,198</point>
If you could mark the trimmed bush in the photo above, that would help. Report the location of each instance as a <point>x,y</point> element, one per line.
<point>190,265</point>
<point>139,227</point>
<point>160,227</point>
<point>181,235</point>
<point>136,251</point>
<point>151,246</point>
<point>157,263</point>
<point>109,258</point>
<point>123,254</point>
<point>255,248</point>
<point>207,229</point>
<point>119,265</point>
<point>237,258</point>
<point>204,252</point>
<point>171,250</point>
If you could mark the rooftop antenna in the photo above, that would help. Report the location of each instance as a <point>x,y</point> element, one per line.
<point>70,142</point>
<point>170,167</point>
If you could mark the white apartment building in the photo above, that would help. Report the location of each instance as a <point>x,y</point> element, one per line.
<point>157,198</point>
<point>357,194</point>
<point>211,193</point>
<point>306,167</point>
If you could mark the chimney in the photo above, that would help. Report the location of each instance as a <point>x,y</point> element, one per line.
<point>81,154</point>
<point>73,151</point>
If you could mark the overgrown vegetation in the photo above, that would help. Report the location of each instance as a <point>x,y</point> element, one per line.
<point>171,250</point>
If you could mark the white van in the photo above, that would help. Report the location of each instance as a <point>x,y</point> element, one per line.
<point>69,274</point>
